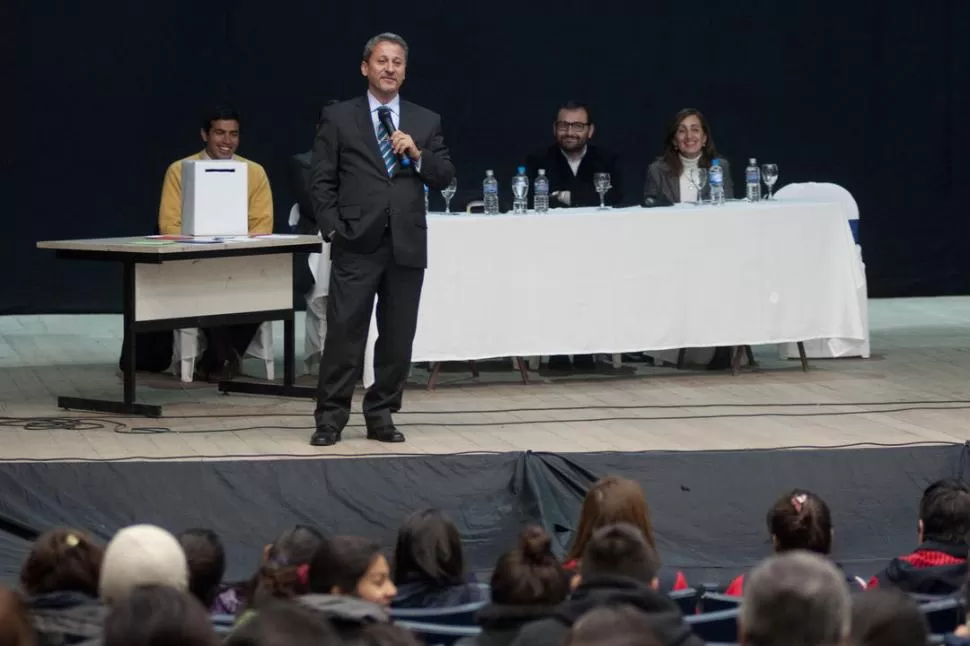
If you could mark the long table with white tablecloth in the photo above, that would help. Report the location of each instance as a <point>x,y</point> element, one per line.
<point>578,281</point>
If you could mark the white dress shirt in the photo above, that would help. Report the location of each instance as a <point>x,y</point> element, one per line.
<point>394,105</point>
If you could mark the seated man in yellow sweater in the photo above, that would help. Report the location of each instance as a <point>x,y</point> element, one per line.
<point>220,133</point>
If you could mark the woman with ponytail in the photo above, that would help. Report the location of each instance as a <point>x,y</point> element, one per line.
<point>284,573</point>
<point>527,584</point>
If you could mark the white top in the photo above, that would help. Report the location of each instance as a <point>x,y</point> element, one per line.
<point>688,191</point>
<point>574,163</point>
<point>394,105</point>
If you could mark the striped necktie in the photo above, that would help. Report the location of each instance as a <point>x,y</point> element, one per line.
<point>384,141</point>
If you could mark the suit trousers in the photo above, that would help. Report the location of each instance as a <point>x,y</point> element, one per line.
<point>355,280</point>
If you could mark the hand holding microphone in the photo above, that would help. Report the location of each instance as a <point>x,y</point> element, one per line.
<point>402,143</point>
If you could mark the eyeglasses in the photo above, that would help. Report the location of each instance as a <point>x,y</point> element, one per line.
<point>571,126</point>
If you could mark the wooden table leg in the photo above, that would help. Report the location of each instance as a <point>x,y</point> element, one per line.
<point>433,377</point>
<point>681,357</point>
<point>738,353</point>
<point>803,356</point>
<point>523,370</point>
<point>473,367</point>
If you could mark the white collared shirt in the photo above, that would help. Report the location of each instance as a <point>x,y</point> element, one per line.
<point>574,163</point>
<point>394,105</point>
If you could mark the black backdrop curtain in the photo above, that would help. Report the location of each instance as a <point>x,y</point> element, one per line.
<point>872,95</point>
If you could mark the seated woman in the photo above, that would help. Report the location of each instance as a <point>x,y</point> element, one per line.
<point>284,572</point>
<point>799,520</point>
<point>528,583</point>
<point>688,146</point>
<point>429,565</point>
<point>614,500</point>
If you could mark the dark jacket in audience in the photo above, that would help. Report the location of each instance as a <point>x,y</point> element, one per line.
<point>501,623</point>
<point>298,173</point>
<point>62,618</point>
<point>345,609</point>
<point>670,580</point>
<point>580,186</point>
<point>934,568</point>
<point>668,624</point>
<point>423,594</point>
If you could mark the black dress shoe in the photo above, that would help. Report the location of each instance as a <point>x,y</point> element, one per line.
<point>385,434</point>
<point>325,436</point>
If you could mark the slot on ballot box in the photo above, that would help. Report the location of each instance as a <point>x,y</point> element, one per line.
<point>215,198</point>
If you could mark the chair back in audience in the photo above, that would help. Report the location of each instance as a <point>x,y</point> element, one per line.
<point>720,627</point>
<point>686,600</point>
<point>223,623</point>
<point>715,602</point>
<point>463,615</point>
<point>439,634</point>
<point>943,615</point>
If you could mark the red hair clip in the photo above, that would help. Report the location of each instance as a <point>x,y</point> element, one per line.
<point>303,574</point>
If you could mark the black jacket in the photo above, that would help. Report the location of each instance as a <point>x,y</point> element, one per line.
<point>501,624</point>
<point>298,174</point>
<point>421,594</point>
<point>668,624</point>
<point>934,568</point>
<point>580,186</point>
<point>63,618</point>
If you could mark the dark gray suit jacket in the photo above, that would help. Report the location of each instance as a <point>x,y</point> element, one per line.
<point>661,181</point>
<point>351,193</point>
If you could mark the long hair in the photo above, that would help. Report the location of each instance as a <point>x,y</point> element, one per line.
<point>612,500</point>
<point>670,153</point>
<point>62,560</point>
<point>428,549</point>
<point>800,520</point>
<point>341,562</point>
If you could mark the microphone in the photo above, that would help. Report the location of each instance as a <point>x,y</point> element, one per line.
<point>384,116</point>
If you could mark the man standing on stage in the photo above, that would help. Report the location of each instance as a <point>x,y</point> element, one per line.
<point>372,157</point>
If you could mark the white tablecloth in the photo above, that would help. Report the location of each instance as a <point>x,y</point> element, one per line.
<point>579,281</point>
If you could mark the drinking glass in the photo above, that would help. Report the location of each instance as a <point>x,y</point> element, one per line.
<point>449,192</point>
<point>602,183</point>
<point>698,178</point>
<point>769,173</point>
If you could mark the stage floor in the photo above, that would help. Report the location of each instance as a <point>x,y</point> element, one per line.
<point>915,389</point>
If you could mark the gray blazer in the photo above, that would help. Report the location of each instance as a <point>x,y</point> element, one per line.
<point>661,181</point>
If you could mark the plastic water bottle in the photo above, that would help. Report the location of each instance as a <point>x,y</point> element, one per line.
<point>541,199</point>
<point>520,192</point>
<point>715,177</point>
<point>490,193</point>
<point>752,179</point>
<point>426,209</point>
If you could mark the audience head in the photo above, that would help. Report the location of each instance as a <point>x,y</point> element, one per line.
<point>944,512</point>
<point>689,136</point>
<point>284,572</point>
<point>620,550</point>
<point>384,64</point>
<point>62,560</point>
<point>794,599</point>
<point>612,626</point>
<point>283,623</point>
<point>612,500</point>
<point>158,616</point>
<point>220,132</point>
<point>573,127</point>
<point>142,555</point>
<point>352,566</point>
<point>887,618</point>
<point>800,520</point>
<point>15,627</point>
<point>429,550</point>
<point>207,563</point>
<point>530,574</point>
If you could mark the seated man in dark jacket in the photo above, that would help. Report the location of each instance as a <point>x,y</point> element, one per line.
<point>939,564</point>
<point>618,568</point>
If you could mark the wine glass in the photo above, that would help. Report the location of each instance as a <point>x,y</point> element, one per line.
<point>769,173</point>
<point>448,192</point>
<point>602,183</point>
<point>698,178</point>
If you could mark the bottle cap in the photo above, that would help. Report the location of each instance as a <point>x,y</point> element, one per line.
<point>715,162</point>
<point>542,171</point>
<point>522,170</point>
<point>489,172</point>
<point>753,161</point>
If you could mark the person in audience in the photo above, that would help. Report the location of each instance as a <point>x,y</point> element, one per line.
<point>15,628</point>
<point>795,599</point>
<point>612,626</point>
<point>220,134</point>
<point>158,616</point>
<point>570,164</point>
<point>298,174</point>
<point>429,565</point>
<point>285,570</point>
<point>610,500</point>
<point>939,564</point>
<point>60,578</point>
<point>887,618</point>
<point>282,623</point>
<point>528,583</point>
<point>207,565</point>
<point>619,567</point>
<point>672,178</point>
<point>349,566</point>
<point>141,555</point>
<point>799,520</point>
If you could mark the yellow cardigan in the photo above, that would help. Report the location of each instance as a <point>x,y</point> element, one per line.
<point>260,199</point>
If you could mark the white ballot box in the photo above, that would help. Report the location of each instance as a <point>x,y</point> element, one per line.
<point>215,198</point>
